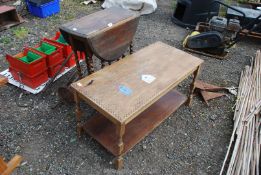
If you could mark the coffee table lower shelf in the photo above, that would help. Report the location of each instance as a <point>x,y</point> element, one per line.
<point>104,131</point>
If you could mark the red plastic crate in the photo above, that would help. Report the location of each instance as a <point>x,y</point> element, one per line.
<point>31,69</point>
<point>71,62</point>
<point>54,58</point>
<point>53,69</point>
<point>31,81</point>
<point>82,56</point>
<point>66,50</point>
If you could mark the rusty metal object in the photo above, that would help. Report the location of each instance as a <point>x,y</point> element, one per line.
<point>210,95</point>
<point>107,33</point>
<point>9,17</point>
<point>208,91</point>
<point>208,87</point>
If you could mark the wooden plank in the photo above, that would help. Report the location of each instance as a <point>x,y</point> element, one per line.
<point>3,165</point>
<point>167,64</point>
<point>3,80</point>
<point>243,152</point>
<point>104,131</point>
<point>11,165</point>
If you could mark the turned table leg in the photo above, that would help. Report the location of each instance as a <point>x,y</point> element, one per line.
<point>119,159</point>
<point>78,113</point>
<point>89,63</point>
<point>192,86</point>
<point>131,48</point>
<point>103,64</point>
<point>78,66</point>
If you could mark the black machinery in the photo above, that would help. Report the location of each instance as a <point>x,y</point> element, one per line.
<point>214,37</point>
<point>189,12</point>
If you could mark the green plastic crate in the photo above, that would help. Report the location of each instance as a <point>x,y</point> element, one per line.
<point>46,48</point>
<point>30,57</point>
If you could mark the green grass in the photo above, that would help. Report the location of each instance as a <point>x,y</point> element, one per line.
<point>21,32</point>
<point>5,40</point>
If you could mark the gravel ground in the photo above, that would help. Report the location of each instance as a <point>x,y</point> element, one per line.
<point>192,141</point>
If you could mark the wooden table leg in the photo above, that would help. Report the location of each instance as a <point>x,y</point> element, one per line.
<point>89,63</point>
<point>131,48</point>
<point>103,64</point>
<point>192,86</point>
<point>78,66</point>
<point>78,113</point>
<point>119,159</point>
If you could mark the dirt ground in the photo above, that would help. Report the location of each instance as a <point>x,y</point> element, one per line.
<point>192,141</point>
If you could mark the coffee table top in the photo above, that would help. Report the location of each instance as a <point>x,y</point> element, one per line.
<point>118,91</point>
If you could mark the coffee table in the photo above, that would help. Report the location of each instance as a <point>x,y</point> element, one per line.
<point>134,95</point>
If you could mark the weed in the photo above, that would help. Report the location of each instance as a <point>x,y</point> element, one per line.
<point>21,32</point>
<point>5,40</point>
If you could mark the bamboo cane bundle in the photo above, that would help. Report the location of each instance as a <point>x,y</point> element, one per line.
<point>245,142</point>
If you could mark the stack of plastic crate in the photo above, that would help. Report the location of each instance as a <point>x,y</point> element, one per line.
<point>33,66</point>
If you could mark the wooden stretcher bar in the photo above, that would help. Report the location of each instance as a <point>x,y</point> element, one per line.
<point>8,168</point>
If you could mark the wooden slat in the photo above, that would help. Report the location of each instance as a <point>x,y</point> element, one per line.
<point>167,64</point>
<point>3,165</point>
<point>104,131</point>
<point>8,168</point>
<point>243,152</point>
<point>3,80</point>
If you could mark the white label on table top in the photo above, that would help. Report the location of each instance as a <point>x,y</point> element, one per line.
<point>148,78</point>
<point>79,84</point>
<point>110,24</point>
